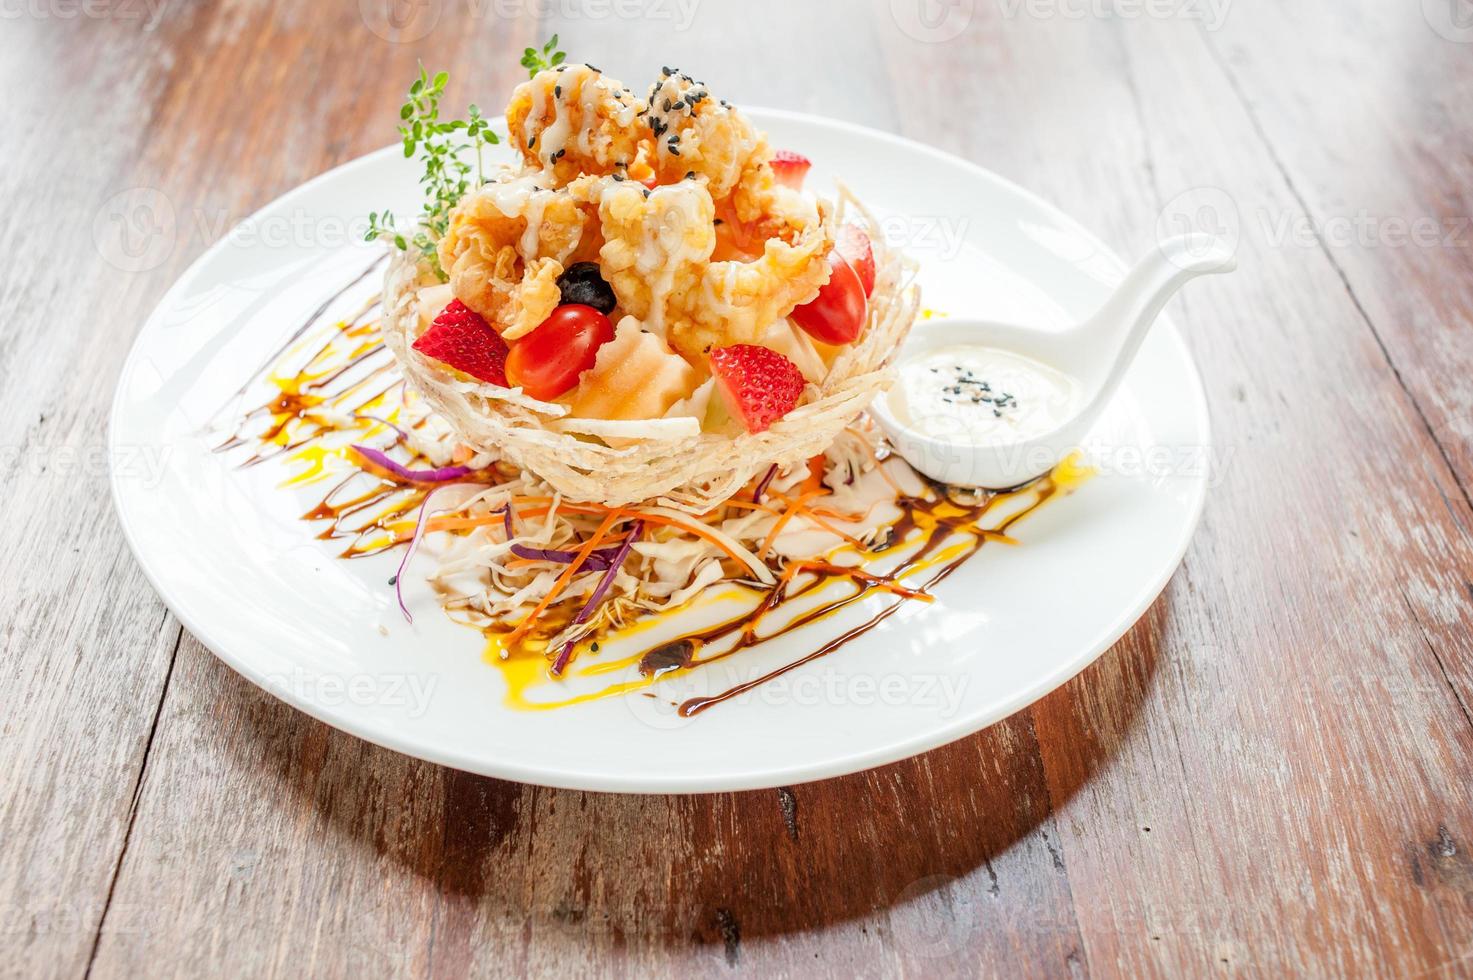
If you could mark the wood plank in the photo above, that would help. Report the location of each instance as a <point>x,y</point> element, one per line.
<point>85,646</point>
<point>1300,687</point>
<point>479,865</point>
<point>1403,247</point>
<point>268,843</point>
<point>1268,774</point>
<point>1404,110</point>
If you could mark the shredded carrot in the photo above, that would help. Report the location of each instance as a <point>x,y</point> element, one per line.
<point>879,464</point>
<point>878,581</point>
<point>741,505</point>
<point>839,515</point>
<point>814,516</point>
<point>787,515</point>
<point>814,482</point>
<point>695,529</point>
<point>460,523</point>
<point>611,518</point>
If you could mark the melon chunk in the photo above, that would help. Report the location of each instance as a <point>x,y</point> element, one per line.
<point>795,345</point>
<point>635,376</point>
<point>430,301</point>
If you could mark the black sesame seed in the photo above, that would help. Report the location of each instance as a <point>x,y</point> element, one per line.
<point>619,178</point>
<point>674,150</point>
<point>557,91</point>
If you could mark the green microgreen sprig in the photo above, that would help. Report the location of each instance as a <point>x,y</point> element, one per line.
<point>446,178</point>
<point>549,57</point>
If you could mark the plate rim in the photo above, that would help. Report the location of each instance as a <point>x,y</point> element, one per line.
<point>655,782</point>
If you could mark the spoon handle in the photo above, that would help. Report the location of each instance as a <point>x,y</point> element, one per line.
<point>1122,323</point>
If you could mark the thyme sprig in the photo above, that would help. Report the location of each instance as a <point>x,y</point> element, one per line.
<point>440,145</point>
<point>549,57</point>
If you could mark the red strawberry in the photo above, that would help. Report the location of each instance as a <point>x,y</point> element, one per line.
<point>790,168</point>
<point>760,385</point>
<point>461,339</point>
<point>855,246</point>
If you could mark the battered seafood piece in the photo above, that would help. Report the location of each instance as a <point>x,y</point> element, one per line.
<point>508,243</point>
<point>693,133</point>
<point>657,245</point>
<point>738,300</point>
<point>714,197</point>
<point>755,320</point>
<point>572,120</point>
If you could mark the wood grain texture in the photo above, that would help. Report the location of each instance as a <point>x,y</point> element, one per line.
<point>1269,774</point>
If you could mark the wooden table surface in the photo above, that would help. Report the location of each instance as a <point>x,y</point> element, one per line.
<point>1269,774</point>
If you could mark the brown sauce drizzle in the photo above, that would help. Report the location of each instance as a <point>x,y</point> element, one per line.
<point>344,369</point>
<point>944,526</point>
<point>369,512</point>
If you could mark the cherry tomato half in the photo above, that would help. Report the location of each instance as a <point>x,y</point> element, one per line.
<point>546,362</point>
<point>837,315</point>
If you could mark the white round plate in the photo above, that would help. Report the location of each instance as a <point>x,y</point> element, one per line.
<point>227,551</point>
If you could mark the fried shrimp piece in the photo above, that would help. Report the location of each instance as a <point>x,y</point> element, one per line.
<point>657,257</point>
<point>737,301</point>
<point>657,245</point>
<point>506,245</point>
<point>574,120</point>
<point>695,134</point>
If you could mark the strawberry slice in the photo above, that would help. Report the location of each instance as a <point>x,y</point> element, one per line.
<point>460,338</point>
<point>854,245</point>
<point>759,384</point>
<point>790,168</point>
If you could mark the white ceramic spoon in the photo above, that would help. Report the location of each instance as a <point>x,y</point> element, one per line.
<point>1095,353</point>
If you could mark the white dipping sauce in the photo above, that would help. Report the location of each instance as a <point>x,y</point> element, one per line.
<point>982,396</point>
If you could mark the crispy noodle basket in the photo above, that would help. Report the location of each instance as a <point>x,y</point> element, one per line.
<point>691,473</point>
